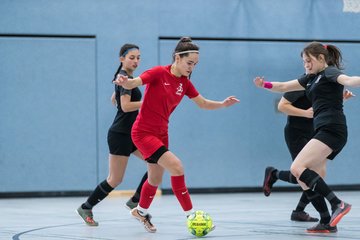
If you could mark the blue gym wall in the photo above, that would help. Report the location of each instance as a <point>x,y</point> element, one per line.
<point>57,59</point>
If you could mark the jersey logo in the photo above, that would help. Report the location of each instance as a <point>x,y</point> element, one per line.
<point>166,84</point>
<point>179,89</point>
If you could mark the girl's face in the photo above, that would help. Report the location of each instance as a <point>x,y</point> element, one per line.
<point>314,65</point>
<point>186,65</point>
<point>131,60</point>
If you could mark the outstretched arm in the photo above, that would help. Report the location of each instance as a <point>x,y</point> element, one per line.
<point>350,81</point>
<point>212,105</point>
<point>127,83</point>
<point>289,86</point>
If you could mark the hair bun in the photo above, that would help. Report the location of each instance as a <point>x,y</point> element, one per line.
<point>185,39</point>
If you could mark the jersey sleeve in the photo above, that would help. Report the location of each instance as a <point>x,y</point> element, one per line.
<point>293,96</point>
<point>332,73</point>
<point>150,75</point>
<point>304,79</point>
<point>191,91</point>
<point>124,91</point>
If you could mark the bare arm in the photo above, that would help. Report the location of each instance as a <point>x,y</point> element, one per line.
<point>350,81</point>
<point>127,105</point>
<point>212,105</point>
<point>127,83</point>
<point>113,99</point>
<point>288,86</point>
<point>286,107</point>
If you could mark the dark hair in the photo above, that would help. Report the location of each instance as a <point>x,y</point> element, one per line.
<point>185,44</point>
<point>331,53</point>
<point>123,51</point>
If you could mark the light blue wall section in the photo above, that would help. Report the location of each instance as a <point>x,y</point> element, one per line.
<point>54,92</point>
<point>48,114</point>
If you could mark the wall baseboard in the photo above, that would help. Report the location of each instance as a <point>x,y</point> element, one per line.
<point>159,192</point>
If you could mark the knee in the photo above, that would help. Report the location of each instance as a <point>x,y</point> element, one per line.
<point>177,170</point>
<point>155,180</point>
<point>295,170</point>
<point>114,181</point>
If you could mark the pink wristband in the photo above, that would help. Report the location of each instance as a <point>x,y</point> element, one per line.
<point>268,85</point>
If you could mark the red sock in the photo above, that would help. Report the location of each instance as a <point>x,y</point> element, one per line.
<point>181,192</point>
<point>147,195</point>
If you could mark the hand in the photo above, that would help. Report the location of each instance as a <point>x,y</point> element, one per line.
<point>309,113</point>
<point>348,94</point>
<point>259,82</point>
<point>121,80</point>
<point>229,101</point>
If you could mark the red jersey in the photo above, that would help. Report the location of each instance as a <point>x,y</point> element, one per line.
<point>163,93</point>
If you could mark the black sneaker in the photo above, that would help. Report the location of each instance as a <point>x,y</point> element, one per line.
<point>301,216</point>
<point>269,180</point>
<point>322,228</point>
<point>341,210</point>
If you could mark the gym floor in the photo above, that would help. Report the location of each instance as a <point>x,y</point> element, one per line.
<point>236,216</point>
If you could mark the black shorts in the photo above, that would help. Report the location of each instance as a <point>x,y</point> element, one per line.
<point>334,136</point>
<point>296,139</point>
<point>120,144</point>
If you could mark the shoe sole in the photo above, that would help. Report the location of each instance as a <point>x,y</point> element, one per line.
<point>266,188</point>
<point>339,217</point>
<point>320,231</point>
<point>148,230</point>
<point>301,220</point>
<point>91,225</point>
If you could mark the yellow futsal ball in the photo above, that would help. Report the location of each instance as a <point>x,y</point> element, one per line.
<point>199,223</point>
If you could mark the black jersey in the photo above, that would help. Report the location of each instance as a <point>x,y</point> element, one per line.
<point>326,96</point>
<point>124,120</point>
<point>299,100</point>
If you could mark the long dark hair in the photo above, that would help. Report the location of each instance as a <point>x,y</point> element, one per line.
<point>332,54</point>
<point>123,51</point>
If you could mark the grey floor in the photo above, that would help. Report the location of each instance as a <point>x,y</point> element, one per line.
<point>237,216</point>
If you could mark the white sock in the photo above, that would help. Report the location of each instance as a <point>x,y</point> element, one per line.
<point>187,213</point>
<point>142,211</point>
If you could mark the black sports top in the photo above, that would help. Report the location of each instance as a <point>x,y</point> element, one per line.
<point>299,99</point>
<point>124,120</point>
<point>326,95</point>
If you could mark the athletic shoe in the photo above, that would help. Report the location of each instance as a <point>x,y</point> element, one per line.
<point>341,210</point>
<point>322,228</point>
<point>130,204</point>
<point>302,216</point>
<point>144,220</point>
<point>87,216</point>
<point>269,180</point>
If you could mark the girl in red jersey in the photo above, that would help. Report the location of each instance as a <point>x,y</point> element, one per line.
<point>165,88</point>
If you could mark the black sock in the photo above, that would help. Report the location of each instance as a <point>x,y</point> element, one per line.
<point>303,202</point>
<point>319,204</point>
<point>317,184</point>
<point>100,192</point>
<point>286,176</point>
<point>136,197</point>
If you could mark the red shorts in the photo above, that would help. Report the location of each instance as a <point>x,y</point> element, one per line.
<point>147,143</point>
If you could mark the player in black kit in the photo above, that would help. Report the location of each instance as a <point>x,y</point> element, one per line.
<point>324,85</point>
<point>119,137</point>
<point>298,132</point>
